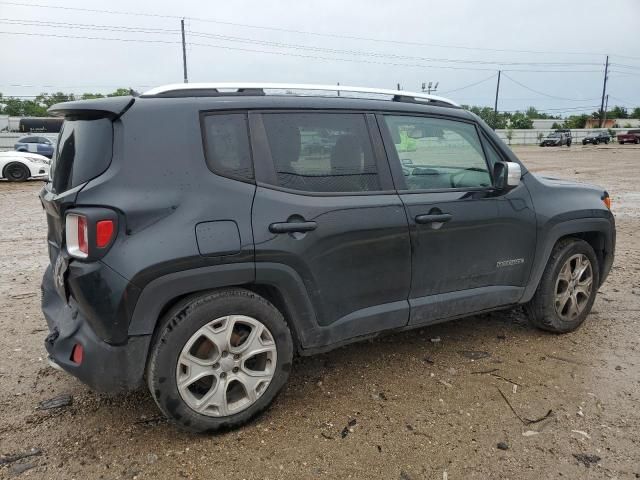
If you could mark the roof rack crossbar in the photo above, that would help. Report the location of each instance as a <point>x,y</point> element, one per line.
<point>185,89</point>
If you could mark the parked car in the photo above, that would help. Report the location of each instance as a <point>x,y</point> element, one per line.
<point>35,144</point>
<point>632,136</point>
<point>204,277</point>
<point>20,166</point>
<point>595,138</point>
<point>557,139</point>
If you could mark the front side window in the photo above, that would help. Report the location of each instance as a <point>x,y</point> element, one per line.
<point>437,154</point>
<point>321,152</point>
<point>226,141</point>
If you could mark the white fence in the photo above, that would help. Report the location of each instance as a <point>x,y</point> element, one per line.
<point>531,136</point>
<point>8,140</point>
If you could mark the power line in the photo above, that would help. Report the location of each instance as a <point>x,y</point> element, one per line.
<point>470,85</point>
<point>289,54</point>
<point>546,94</point>
<point>118,28</point>
<point>302,32</point>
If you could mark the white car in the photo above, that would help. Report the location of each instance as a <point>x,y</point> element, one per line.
<point>20,166</point>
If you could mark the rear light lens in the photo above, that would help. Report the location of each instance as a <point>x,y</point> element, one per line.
<point>77,235</point>
<point>104,233</point>
<point>607,201</point>
<point>90,232</point>
<point>77,354</point>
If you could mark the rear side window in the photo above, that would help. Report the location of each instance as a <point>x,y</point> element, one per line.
<point>321,152</point>
<point>226,141</point>
<point>84,151</point>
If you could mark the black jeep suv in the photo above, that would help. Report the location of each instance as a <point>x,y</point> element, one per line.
<point>199,238</point>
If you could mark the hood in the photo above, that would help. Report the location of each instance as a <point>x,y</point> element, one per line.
<point>13,154</point>
<point>563,182</point>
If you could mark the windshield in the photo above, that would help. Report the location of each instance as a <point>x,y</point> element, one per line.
<point>553,135</point>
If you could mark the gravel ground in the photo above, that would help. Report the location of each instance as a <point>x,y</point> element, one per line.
<point>441,402</point>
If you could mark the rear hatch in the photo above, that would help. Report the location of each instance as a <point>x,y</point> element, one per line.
<point>83,151</point>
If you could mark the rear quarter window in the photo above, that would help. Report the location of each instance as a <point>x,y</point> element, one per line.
<point>83,152</point>
<point>226,145</point>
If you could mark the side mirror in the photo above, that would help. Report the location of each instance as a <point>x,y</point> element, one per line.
<point>507,175</point>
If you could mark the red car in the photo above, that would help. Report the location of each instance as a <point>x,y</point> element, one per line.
<point>632,136</point>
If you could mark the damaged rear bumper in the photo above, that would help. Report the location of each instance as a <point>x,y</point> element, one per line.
<point>104,367</point>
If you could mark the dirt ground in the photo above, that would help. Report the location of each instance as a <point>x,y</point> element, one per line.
<point>414,404</point>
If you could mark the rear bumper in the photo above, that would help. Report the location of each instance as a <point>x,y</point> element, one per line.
<point>105,367</point>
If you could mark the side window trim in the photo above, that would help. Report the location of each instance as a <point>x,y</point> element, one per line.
<point>394,160</point>
<point>203,135</point>
<point>264,167</point>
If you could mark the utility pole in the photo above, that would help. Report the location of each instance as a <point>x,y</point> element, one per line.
<point>606,106</point>
<point>184,53</point>
<point>398,87</point>
<point>495,105</point>
<point>604,91</point>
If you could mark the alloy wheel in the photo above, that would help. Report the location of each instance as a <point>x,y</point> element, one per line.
<point>226,365</point>
<point>574,287</point>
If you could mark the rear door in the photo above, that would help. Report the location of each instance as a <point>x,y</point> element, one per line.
<point>326,212</point>
<point>472,245</point>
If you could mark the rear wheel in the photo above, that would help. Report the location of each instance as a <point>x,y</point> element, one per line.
<point>637,141</point>
<point>16,172</point>
<point>219,359</point>
<point>567,289</point>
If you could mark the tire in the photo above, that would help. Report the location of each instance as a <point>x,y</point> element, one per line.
<point>620,142</point>
<point>542,310</point>
<point>637,141</point>
<point>596,142</point>
<point>225,315</point>
<point>16,172</point>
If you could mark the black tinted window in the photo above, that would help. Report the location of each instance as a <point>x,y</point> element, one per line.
<point>84,152</point>
<point>227,148</point>
<point>321,152</point>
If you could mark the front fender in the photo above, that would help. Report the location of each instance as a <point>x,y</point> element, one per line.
<point>566,228</point>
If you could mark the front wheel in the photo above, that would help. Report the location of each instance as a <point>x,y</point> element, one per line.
<point>567,288</point>
<point>219,359</point>
<point>16,172</point>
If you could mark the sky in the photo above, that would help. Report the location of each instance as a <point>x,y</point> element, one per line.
<point>551,53</point>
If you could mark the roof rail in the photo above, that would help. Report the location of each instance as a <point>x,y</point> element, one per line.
<point>213,89</point>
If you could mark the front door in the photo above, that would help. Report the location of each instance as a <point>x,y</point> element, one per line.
<point>472,245</point>
<point>326,211</point>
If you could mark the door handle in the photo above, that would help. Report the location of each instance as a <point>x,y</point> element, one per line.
<point>291,227</point>
<point>434,218</point>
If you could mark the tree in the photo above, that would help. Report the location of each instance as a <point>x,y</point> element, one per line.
<point>576,121</point>
<point>509,135</point>
<point>617,112</point>
<point>493,119</point>
<point>635,113</point>
<point>51,99</point>
<point>556,126</point>
<point>520,121</point>
<point>89,96</point>
<point>121,92</point>
<point>533,113</point>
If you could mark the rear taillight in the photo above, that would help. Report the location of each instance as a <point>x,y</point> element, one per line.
<point>77,235</point>
<point>90,232</point>
<point>104,233</point>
